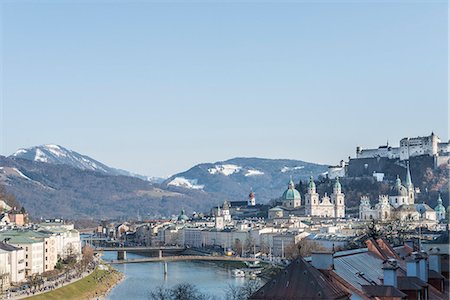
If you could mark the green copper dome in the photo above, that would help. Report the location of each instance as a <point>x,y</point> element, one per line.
<point>398,189</point>
<point>312,185</point>
<point>337,184</point>
<point>182,216</point>
<point>291,193</point>
<point>439,207</point>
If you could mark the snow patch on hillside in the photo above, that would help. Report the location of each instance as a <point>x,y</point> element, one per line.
<point>40,156</point>
<point>55,150</point>
<point>289,169</point>
<point>253,173</point>
<point>224,169</point>
<point>186,183</point>
<point>20,151</point>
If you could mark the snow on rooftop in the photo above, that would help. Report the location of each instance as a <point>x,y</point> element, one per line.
<point>226,170</point>
<point>186,183</point>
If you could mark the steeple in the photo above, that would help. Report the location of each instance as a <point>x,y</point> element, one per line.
<point>408,182</point>
<point>337,186</point>
<point>311,185</point>
<point>291,184</point>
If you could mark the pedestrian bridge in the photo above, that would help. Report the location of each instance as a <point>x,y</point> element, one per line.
<point>182,258</point>
<point>122,251</point>
<point>139,249</point>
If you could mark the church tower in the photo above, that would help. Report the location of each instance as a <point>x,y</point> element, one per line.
<point>409,185</point>
<point>338,200</point>
<point>251,199</point>
<point>364,207</point>
<point>311,199</point>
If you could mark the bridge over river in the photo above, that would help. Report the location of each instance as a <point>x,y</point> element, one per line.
<point>122,251</point>
<point>182,258</point>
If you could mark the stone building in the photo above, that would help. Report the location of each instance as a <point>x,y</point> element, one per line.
<point>440,209</point>
<point>398,205</point>
<point>409,147</point>
<point>333,206</point>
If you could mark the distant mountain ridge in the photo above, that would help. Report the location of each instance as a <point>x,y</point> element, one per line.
<point>52,181</point>
<point>57,190</point>
<point>234,178</point>
<point>56,154</point>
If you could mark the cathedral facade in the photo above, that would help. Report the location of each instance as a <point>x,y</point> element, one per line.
<point>398,205</point>
<point>332,206</point>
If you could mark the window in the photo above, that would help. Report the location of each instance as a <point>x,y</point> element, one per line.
<point>26,264</point>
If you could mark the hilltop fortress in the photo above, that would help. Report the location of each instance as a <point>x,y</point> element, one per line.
<point>410,147</point>
<point>387,162</point>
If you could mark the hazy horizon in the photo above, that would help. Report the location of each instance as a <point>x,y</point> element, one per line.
<point>155,88</point>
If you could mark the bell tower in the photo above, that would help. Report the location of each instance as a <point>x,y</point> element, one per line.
<point>311,198</point>
<point>338,199</point>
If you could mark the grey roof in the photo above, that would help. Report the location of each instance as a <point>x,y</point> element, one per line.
<point>359,269</point>
<point>8,247</point>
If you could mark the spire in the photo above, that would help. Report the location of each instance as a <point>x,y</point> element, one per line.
<point>312,185</point>
<point>439,199</point>
<point>398,182</point>
<point>291,184</point>
<point>408,176</point>
<point>337,186</point>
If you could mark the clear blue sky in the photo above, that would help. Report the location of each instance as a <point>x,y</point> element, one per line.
<point>156,87</point>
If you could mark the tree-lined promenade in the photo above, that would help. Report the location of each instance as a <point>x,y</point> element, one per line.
<point>97,284</point>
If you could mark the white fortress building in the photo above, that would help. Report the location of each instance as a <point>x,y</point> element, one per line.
<point>410,147</point>
<point>399,205</point>
<point>331,207</point>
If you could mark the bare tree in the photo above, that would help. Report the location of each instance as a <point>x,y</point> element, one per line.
<point>243,292</point>
<point>303,248</point>
<point>182,291</point>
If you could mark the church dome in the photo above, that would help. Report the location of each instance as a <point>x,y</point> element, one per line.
<point>312,184</point>
<point>399,190</point>
<point>337,185</point>
<point>183,217</point>
<point>291,193</point>
<point>439,207</point>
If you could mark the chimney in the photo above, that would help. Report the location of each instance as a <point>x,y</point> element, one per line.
<point>423,266</point>
<point>412,265</point>
<point>434,259</point>
<point>390,267</point>
<point>322,260</point>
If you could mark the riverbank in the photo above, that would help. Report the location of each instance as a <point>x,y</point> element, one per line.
<point>93,286</point>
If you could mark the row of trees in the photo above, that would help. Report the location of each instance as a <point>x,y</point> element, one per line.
<point>187,291</point>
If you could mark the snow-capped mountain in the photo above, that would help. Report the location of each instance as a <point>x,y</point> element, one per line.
<point>53,190</point>
<point>233,179</point>
<point>55,154</point>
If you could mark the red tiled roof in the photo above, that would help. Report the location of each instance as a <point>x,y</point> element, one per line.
<point>300,280</point>
<point>383,291</point>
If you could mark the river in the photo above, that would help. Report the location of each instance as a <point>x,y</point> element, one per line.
<point>141,278</point>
